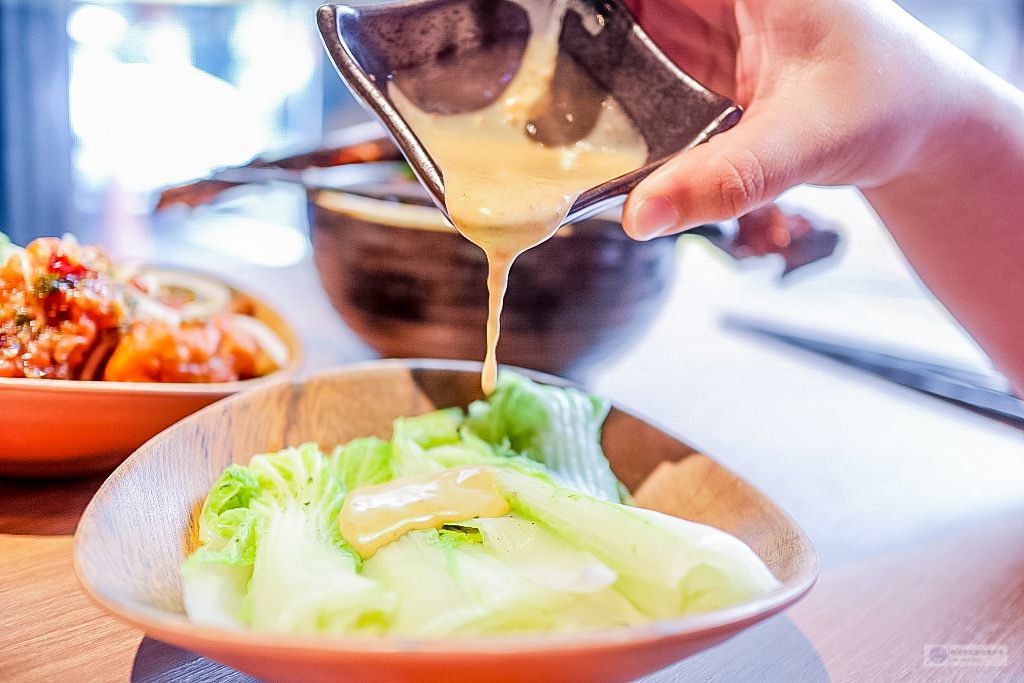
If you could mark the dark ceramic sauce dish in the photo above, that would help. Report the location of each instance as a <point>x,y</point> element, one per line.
<point>451,56</point>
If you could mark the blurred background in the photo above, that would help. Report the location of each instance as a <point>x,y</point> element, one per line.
<point>104,103</point>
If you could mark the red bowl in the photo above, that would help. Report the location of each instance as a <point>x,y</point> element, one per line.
<point>59,428</point>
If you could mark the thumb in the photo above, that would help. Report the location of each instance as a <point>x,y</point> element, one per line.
<point>735,172</point>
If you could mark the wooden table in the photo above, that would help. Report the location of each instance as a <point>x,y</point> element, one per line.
<point>916,506</point>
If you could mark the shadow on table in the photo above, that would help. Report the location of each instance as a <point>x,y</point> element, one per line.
<point>772,652</point>
<point>157,662</point>
<point>45,507</point>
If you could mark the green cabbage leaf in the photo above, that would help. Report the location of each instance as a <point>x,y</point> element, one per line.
<point>558,427</point>
<point>448,588</point>
<point>274,558</point>
<point>567,558</point>
<point>666,566</point>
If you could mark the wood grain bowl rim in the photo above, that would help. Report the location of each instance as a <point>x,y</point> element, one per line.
<point>264,312</point>
<point>176,629</point>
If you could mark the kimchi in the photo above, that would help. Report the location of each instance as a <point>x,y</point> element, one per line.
<point>66,312</point>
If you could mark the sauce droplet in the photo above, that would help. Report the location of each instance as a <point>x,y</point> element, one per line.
<point>373,516</point>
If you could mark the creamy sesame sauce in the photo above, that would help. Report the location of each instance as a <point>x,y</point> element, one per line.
<point>506,192</point>
<point>373,516</point>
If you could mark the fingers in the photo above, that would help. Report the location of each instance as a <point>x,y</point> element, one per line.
<point>703,45</point>
<point>732,174</point>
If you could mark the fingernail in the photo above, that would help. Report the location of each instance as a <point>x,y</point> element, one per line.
<point>655,216</point>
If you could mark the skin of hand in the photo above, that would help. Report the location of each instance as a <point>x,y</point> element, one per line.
<point>855,92</point>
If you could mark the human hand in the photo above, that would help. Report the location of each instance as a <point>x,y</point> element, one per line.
<point>835,92</point>
<point>856,92</point>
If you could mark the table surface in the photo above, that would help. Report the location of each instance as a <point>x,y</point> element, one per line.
<point>916,506</point>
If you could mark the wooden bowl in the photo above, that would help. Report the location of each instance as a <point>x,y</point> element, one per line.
<point>59,428</point>
<point>410,286</point>
<point>142,523</point>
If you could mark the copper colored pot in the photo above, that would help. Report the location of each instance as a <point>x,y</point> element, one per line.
<point>412,287</point>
